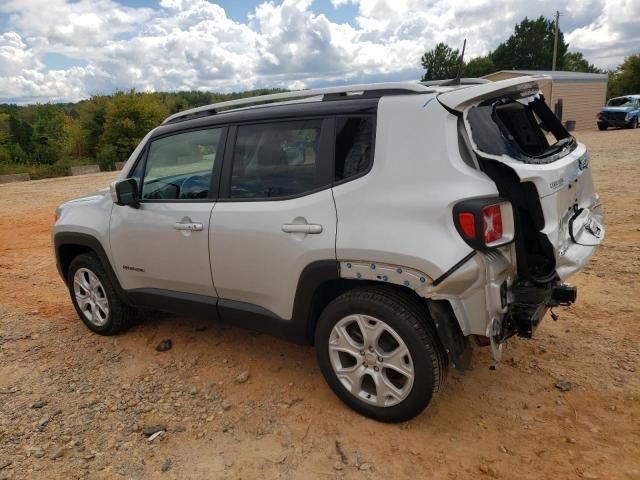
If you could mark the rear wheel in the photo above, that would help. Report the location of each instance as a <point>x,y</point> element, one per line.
<point>94,298</point>
<point>379,353</point>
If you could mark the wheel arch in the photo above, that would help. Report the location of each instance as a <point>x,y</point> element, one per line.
<point>320,283</point>
<point>68,245</point>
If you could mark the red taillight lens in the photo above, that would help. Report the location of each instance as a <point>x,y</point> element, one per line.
<point>467,224</point>
<point>492,222</point>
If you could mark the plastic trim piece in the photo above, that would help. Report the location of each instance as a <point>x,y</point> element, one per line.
<point>73,239</point>
<point>452,270</point>
<point>386,273</point>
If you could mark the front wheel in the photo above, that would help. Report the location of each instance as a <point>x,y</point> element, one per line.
<point>95,299</point>
<point>380,354</point>
<point>634,123</point>
<point>602,126</point>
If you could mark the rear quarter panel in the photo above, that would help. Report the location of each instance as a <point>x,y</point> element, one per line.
<point>400,213</point>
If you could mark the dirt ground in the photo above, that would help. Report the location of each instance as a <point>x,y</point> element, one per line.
<point>77,405</point>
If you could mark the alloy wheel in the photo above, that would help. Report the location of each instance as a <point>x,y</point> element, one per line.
<point>371,360</point>
<point>91,297</point>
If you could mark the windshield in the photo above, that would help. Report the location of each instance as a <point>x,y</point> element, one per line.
<point>620,102</point>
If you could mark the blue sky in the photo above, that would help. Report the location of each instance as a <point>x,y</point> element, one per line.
<point>66,50</point>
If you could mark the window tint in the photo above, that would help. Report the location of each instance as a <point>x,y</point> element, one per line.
<point>180,166</point>
<point>276,159</point>
<point>354,146</point>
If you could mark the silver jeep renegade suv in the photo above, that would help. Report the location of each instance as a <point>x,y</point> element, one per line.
<point>386,224</point>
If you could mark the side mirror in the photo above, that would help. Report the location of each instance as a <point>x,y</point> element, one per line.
<point>125,193</point>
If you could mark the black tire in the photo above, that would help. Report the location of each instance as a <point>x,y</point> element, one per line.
<point>411,321</point>
<point>120,315</point>
<point>602,127</point>
<point>634,123</point>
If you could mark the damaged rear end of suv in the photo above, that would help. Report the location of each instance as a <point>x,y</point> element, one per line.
<point>542,173</point>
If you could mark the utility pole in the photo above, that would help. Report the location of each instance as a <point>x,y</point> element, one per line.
<point>555,41</point>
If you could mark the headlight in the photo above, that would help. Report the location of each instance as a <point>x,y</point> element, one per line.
<point>628,117</point>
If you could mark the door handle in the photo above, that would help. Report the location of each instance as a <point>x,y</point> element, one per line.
<point>192,227</point>
<point>302,228</point>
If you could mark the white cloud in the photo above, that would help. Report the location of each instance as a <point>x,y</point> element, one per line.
<point>192,44</point>
<point>81,22</point>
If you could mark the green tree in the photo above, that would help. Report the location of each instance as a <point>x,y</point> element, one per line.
<point>91,115</point>
<point>625,80</point>
<point>21,133</point>
<point>575,62</point>
<point>129,116</point>
<point>478,67</point>
<point>530,47</point>
<point>107,157</point>
<point>5,139</point>
<point>5,135</point>
<point>75,138</point>
<point>17,154</point>
<point>440,63</point>
<point>48,133</point>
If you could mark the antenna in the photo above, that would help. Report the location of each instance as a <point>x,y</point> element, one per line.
<point>457,80</point>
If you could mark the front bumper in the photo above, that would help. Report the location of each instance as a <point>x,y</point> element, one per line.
<point>614,122</point>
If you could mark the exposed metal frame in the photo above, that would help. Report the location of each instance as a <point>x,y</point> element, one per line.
<point>320,93</point>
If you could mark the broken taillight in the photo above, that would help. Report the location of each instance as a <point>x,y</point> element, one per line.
<point>484,222</point>
<point>492,223</point>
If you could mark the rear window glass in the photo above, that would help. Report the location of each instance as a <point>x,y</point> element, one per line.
<point>524,130</point>
<point>354,146</point>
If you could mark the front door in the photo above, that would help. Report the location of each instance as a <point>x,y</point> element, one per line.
<point>164,244</point>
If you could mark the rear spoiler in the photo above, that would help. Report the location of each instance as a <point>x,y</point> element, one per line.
<point>520,87</point>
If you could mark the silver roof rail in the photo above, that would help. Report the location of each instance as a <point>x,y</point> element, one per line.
<point>348,90</point>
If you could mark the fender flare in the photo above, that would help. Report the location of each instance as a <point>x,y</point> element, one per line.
<point>62,239</point>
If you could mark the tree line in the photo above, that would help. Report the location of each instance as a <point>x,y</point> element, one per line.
<point>530,47</point>
<point>46,139</point>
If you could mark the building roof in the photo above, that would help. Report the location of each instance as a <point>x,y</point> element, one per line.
<point>558,76</point>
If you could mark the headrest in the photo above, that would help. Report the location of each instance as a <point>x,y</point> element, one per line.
<point>270,155</point>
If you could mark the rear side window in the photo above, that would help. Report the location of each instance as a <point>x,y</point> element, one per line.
<point>274,160</point>
<point>354,146</point>
<point>179,167</point>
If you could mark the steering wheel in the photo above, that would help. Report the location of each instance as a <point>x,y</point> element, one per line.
<point>194,186</point>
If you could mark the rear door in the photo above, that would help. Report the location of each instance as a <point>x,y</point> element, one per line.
<point>164,244</point>
<point>278,215</point>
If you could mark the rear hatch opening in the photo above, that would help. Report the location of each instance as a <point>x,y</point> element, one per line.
<point>507,130</point>
<point>523,129</point>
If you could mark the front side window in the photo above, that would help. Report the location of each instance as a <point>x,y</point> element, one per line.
<point>354,146</point>
<point>179,167</point>
<point>274,160</point>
